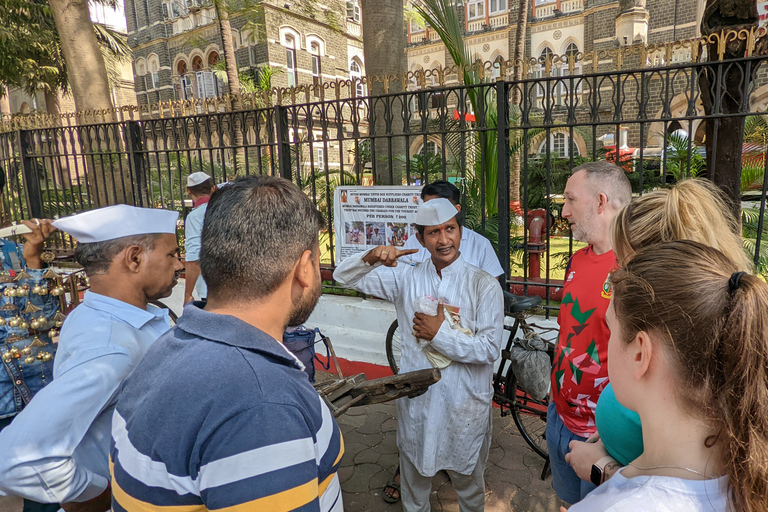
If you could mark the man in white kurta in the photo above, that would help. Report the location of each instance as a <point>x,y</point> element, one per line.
<point>448,427</point>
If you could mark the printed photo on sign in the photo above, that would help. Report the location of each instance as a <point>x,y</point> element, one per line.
<point>397,233</point>
<point>368,216</point>
<point>354,233</point>
<point>377,232</point>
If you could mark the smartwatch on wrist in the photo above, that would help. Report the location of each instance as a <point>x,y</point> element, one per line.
<point>597,476</point>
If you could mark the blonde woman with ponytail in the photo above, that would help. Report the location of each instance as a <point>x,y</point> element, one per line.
<point>695,210</point>
<point>689,353</point>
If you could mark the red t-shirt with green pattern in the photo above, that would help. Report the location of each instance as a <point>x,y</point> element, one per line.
<point>580,371</point>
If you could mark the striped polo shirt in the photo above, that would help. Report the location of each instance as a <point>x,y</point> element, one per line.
<point>219,416</point>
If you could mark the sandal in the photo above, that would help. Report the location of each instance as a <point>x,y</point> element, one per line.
<point>392,484</point>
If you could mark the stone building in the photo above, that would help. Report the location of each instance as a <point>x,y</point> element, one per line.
<point>569,28</point>
<point>176,44</point>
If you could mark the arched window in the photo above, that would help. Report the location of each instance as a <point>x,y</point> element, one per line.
<point>197,63</point>
<point>185,83</point>
<point>153,66</point>
<point>141,67</point>
<point>571,51</point>
<point>290,60</point>
<point>430,149</point>
<point>317,76</point>
<point>560,146</point>
<point>213,59</point>
<point>355,74</point>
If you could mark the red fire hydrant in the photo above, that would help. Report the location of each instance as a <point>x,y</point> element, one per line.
<point>537,227</point>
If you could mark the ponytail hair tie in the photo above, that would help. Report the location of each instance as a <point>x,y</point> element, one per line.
<point>733,282</point>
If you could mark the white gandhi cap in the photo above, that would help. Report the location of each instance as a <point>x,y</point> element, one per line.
<point>435,212</point>
<point>197,178</point>
<point>116,222</point>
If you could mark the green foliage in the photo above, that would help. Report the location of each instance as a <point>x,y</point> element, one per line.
<point>30,50</point>
<point>680,162</point>
<point>750,218</point>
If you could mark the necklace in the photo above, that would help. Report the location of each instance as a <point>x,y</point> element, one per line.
<point>670,466</point>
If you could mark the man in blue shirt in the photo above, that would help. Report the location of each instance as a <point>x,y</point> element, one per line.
<point>219,414</point>
<point>27,357</point>
<point>56,450</point>
<point>199,187</point>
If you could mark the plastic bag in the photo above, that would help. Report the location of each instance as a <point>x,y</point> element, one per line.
<point>530,362</point>
<point>428,306</point>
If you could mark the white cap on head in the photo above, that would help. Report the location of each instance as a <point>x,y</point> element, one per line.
<point>197,178</point>
<point>435,212</point>
<point>116,222</point>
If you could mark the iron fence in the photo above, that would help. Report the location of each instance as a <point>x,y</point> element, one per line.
<point>649,120</point>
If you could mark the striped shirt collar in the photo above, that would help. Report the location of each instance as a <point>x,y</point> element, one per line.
<point>232,331</point>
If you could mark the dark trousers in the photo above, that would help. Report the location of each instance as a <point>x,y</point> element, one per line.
<point>32,506</point>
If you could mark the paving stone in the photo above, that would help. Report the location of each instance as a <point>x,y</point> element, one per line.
<point>512,475</point>
<point>356,437</point>
<point>389,425</point>
<point>373,424</point>
<point>345,473</point>
<point>368,456</point>
<point>388,443</point>
<point>495,454</point>
<point>524,502</point>
<point>350,450</point>
<point>347,423</point>
<point>389,460</point>
<point>361,478</point>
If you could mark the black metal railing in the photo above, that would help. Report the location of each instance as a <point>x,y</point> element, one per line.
<point>475,135</point>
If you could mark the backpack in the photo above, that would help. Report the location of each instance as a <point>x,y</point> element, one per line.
<point>301,342</point>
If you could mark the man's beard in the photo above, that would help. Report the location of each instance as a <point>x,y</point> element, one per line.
<point>584,232</point>
<point>301,311</point>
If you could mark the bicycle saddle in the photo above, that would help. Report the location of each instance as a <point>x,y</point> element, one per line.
<point>519,303</point>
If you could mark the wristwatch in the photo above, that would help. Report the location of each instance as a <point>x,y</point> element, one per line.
<point>598,470</point>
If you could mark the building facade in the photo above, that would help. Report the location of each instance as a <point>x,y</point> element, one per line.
<point>177,44</point>
<point>569,29</point>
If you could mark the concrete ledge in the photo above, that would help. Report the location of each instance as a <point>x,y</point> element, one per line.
<point>358,327</point>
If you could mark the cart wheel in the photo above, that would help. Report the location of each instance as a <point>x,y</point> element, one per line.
<point>393,347</point>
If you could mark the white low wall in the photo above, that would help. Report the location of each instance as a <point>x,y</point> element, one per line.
<point>357,327</point>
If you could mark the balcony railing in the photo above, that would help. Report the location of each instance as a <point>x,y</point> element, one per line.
<point>353,28</point>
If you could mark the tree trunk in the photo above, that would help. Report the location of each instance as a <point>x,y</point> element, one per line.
<point>725,136</point>
<point>90,87</point>
<point>233,80</point>
<point>519,55</point>
<point>86,70</point>
<point>384,47</point>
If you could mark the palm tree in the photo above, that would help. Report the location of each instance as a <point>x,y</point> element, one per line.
<point>441,17</point>
<point>522,29</point>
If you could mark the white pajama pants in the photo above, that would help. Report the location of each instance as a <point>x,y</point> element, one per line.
<point>470,489</point>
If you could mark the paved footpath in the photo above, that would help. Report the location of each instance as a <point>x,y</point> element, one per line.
<point>512,476</point>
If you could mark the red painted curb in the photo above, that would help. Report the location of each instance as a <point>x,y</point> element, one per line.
<point>349,368</point>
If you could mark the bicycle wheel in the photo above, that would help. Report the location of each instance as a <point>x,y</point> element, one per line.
<point>393,347</point>
<point>530,416</point>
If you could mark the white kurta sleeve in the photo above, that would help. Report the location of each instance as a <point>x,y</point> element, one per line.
<point>485,346</point>
<point>38,446</point>
<point>375,280</point>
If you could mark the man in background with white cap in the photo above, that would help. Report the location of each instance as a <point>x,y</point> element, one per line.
<point>57,448</point>
<point>199,187</point>
<point>448,427</point>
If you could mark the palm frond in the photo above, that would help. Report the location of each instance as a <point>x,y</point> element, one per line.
<point>113,42</point>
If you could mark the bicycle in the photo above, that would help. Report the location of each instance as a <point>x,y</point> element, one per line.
<point>529,414</point>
